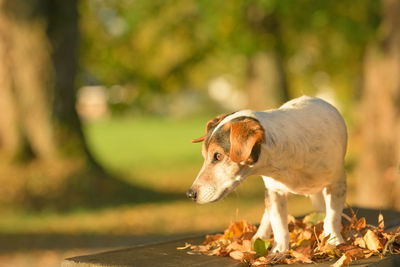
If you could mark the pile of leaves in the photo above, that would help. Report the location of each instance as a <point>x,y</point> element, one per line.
<point>308,244</point>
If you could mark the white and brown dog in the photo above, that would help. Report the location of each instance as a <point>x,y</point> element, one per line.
<point>298,148</point>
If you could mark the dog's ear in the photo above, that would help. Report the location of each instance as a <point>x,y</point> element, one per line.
<point>211,124</point>
<point>244,135</point>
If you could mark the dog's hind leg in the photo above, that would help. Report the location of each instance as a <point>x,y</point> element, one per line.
<point>335,197</point>
<point>277,210</point>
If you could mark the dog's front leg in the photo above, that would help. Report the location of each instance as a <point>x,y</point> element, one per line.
<point>278,216</point>
<point>264,230</point>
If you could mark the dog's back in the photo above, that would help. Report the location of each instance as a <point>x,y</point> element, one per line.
<point>310,138</point>
<point>316,116</point>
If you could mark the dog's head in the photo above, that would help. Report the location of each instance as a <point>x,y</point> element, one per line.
<point>231,146</point>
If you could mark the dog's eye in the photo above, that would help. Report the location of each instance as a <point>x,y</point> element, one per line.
<point>217,156</point>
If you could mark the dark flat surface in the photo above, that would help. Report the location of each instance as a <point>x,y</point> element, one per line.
<point>166,254</point>
<point>163,254</point>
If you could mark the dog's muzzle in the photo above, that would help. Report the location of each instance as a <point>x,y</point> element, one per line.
<point>191,194</point>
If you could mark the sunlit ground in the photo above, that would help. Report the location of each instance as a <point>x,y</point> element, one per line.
<point>151,152</point>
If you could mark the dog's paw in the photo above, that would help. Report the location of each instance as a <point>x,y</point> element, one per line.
<point>275,257</point>
<point>335,240</point>
<point>279,248</point>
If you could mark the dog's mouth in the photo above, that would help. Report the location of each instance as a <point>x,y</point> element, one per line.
<point>227,190</point>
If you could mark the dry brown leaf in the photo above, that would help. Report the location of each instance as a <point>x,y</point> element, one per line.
<point>307,234</point>
<point>187,245</point>
<point>260,264</point>
<point>202,248</point>
<point>237,229</point>
<point>300,257</point>
<point>262,260</point>
<point>304,243</point>
<point>210,238</point>
<point>329,250</point>
<point>372,241</point>
<point>212,252</point>
<point>324,240</point>
<point>355,252</point>
<point>368,254</point>
<point>307,243</point>
<point>381,222</point>
<point>237,255</point>
<point>234,246</point>
<point>291,219</point>
<point>359,241</point>
<point>361,223</point>
<point>344,260</point>
<point>246,245</point>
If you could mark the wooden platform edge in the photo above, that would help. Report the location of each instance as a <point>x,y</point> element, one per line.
<point>95,260</point>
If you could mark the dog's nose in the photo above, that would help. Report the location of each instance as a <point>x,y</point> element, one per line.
<point>191,194</point>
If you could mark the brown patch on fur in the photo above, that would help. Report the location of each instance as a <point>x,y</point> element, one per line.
<point>211,124</point>
<point>220,138</point>
<point>244,135</point>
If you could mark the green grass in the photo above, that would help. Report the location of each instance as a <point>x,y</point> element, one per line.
<point>145,142</point>
<point>155,153</point>
<point>150,151</point>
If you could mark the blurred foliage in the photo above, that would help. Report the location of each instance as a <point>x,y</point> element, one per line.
<point>157,47</point>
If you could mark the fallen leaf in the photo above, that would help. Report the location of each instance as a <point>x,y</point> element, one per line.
<point>356,253</point>
<point>303,256</point>
<point>372,241</point>
<point>237,229</point>
<point>236,255</point>
<point>262,260</point>
<point>246,245</point>
<point>361,223</point>
<point>359,241</point>
<point>329,250</point>
<point>324,240</point>
<point>307,234</point>
<point>368,255</point>
<point>381,222</point>
<point>202,248</point>
<point>353,251</point>
<point>304,243</point>
<point>214,252</point>
<point>277,258</point>
<point>344,260</point>
<point>187,245</point>
<point>261,246</point>
<point>234,246</point>
<point>193,253</point>
<point>307,243</point>
<point>259,263</point>
<point>210,238</point>
<point>291,219</point>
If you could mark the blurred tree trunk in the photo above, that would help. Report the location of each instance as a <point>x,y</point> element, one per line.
<point>378,178</point>
<point>38,122</point>
<point>63,34</point>
<point>266,78</point>
<point>266,86</point>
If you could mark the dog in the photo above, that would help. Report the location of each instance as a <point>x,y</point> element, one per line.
<point>298,148</point>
